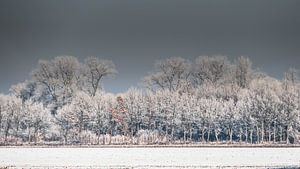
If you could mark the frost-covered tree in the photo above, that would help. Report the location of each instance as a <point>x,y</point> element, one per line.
<point>243,71</point>
<point>212,100</point>
<point>2,110</point>
<point>25,90</point>
<point>36,120</point>
<point>134,101</point>
<point>76,115</point>
<point>60,78</point>
<point>214,69</point>
<point>290,104</point>
<point>94,70</point>
<point>171,74</point>
<point>246,112</point>
<point>230,118</point>
<point>264,103</point>
<point>100,114</point>
<point>10,116</point>
<point>65,122</point>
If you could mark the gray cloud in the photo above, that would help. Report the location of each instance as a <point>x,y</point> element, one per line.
<point>135,33</point>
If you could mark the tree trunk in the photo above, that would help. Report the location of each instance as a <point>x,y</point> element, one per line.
<point>208,133</point>
<point>66,136</point>
<point>202,136</point>
<point>6,133</point>
<point>274,132</point>
<point>270,133</point>
<point>16,134</point>
<point>184,135</point>
<point>65,139</point>
<point>246,135</point>
<point>98,139</point>
<point>281,134</point>
<point>251,136</point>
<point>262,132</point>
<point>172,134</point>
<point>103,139</point>
<point>257,134</point>
<point>132,138</point>
<point>35,135</point>
<point>217,136</point>
<point>230,135</point>
<point>241,135</point>
<point>80,126</point>
<point>109,141</point>
<point>29,135</point>
<point>166,135</point>
<point>191,134</point>
<point>287,134</point>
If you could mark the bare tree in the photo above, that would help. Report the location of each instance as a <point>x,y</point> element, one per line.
<point>60,77</point>
<point>171,74</point>
<point>95,70</point>
<point>211,70</point>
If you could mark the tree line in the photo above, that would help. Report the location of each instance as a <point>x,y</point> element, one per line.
<point>209,100</point>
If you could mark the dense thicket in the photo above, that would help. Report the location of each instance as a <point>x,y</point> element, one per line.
<point>208,100</point>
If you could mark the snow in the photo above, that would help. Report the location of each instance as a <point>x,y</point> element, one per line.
<point>149,157</point>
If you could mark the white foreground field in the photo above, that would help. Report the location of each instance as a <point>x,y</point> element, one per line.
<point>149,157</point>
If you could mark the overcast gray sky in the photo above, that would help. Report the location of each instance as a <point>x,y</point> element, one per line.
<point>135,33</point>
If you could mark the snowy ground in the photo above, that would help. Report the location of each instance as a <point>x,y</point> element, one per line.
<point>149,157</point>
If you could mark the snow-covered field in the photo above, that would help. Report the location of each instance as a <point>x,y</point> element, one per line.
<point>149,157</point>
